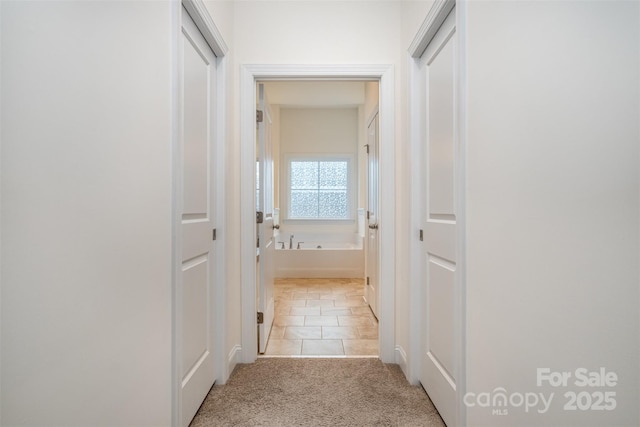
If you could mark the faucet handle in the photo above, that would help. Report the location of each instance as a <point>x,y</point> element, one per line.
<point>299,244</point>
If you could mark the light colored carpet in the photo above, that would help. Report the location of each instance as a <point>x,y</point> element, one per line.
<point>317,392</point>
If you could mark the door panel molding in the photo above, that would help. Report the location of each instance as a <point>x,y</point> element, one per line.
<point>385,75</point>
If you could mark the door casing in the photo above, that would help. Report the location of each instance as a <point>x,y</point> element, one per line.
<point>250,74</point>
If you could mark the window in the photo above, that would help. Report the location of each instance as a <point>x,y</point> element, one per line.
<point>319,189</point>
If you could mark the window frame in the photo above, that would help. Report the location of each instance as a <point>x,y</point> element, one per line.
<point>322,157</point>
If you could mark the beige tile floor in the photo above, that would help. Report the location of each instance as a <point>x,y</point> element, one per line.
<point>322,317</point>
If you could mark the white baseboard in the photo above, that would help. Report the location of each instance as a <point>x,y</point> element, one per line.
<point>321,272</point>
<point>401,359</point>
<point>235,356</point>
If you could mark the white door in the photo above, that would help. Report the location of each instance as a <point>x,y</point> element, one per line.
<point>266,242</point>
<point>440,281</point>
<point>372,242</point>
<point>195,317</point>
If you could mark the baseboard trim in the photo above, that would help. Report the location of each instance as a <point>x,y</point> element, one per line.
<point>401,360</point>
<point>321,272</point>
<point>235,356</point>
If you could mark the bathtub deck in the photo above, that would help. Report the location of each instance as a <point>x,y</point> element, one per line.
<point>322,317</point>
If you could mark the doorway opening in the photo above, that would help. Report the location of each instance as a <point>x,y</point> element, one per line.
<point>299,227</point>
<point>316,194</point>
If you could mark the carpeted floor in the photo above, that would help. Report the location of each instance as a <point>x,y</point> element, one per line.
<point>317,392</point>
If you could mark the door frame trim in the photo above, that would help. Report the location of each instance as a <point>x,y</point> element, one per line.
<point>249,74</point>
<point>205,24</point>
<point>436,16</point>
<point>198,12</point>
<point>417,128</point>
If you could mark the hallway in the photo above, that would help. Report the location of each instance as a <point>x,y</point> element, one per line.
<point>317,392</point>
<point>322,317</point>
<point>115,240</point>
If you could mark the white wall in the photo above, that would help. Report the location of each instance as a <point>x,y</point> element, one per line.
<point>413,14</point>
<point>314,32</point>
<point>315,93</point>
<point>553,203</point>
<point>311,131</point>
<point>317,32</point>
<point>86,214</point>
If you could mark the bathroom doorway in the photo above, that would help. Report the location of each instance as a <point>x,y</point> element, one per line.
<point>313,178</point>
<point>382,75</point>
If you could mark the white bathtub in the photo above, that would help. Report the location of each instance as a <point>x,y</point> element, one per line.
<point>320,255</point>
